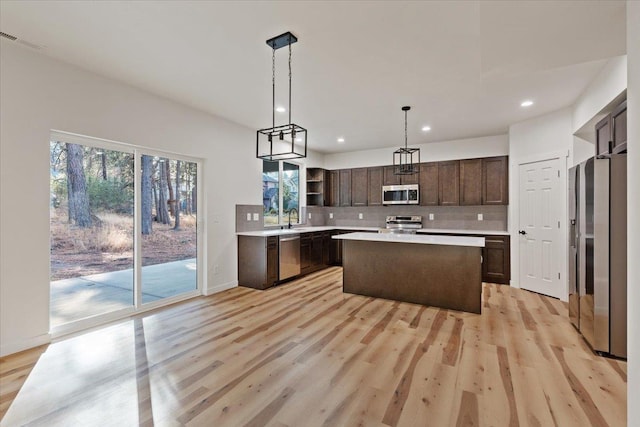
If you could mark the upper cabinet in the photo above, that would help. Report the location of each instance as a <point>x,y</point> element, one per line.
<point>390,178</point>
<point>345,187</point>
<point>333,188</point>
<point>619,126</point>
<point>359,187</point>
<point>471,182</point>
<point>495,180</point>
<point>468,182</point>
<point>374,193</point>
<point>449,183</point>
<point>611,131</point>
<point>429,184</point>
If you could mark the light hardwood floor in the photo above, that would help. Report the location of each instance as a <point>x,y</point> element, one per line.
<point>305,354</point>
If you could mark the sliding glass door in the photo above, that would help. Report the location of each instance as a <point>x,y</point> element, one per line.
<point>168,227</point>
<point>123,224</point>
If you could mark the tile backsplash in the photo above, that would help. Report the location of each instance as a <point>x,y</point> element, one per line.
<point>452,217</point>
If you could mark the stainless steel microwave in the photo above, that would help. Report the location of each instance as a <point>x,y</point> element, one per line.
<point>400,194</point>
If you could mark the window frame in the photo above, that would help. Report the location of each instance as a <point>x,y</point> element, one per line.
<point>281,215</point>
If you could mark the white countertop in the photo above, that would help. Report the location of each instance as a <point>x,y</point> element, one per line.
<point>415,238</point>
<point>452,231</point>
<point>279,232</point>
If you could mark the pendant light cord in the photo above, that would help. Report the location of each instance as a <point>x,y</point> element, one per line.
<point>289,79</point>
<point>405,130</point>
<point>273,87</point>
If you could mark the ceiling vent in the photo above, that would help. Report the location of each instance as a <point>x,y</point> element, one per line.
<point>20,41</point>
<point>8,36</point>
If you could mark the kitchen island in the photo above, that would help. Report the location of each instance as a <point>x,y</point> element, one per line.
<point>439,271</point>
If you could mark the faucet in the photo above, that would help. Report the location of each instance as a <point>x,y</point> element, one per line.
<point>297,213</point>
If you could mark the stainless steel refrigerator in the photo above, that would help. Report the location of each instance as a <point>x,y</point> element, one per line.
<point>598,252</point>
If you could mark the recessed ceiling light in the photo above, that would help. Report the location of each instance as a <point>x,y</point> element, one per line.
<point>527,103</point>
<point>281,109</point>
<point>341,140</point>
<point>426,128</point>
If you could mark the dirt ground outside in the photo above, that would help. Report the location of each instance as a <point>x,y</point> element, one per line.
<point>108,245</point>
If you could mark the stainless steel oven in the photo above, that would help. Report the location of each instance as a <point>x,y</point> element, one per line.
<point>400,194</point>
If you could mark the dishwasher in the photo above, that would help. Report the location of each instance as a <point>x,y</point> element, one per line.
<point>289,256</point>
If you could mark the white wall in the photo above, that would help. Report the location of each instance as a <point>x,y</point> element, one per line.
<point>435,151</point>
<point>582,150</point>
<point>40,94</point>
<point>540,138</point>
<point>633,231</point>
<point>608,84</point>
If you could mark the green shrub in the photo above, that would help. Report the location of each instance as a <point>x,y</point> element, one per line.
<point>113,195</point>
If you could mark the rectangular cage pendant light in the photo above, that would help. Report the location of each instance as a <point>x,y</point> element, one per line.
<point>406,160</point>
<point>283,142</point>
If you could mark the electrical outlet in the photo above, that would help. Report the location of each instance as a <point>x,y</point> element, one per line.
<point>309,215</point>
<point>330,215</point>
<point>216,269</point>
<point>360,216</point>
<point>480,217</point>
<point>430,217</point>
<point>256,216</point>
<point>248,216</point>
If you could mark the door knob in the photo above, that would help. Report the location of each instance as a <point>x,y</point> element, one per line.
<point>522,232</point>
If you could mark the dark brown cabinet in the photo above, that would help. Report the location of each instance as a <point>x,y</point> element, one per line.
<point>611,131</point>
<point>603,135</point>
<point>333,188</point>
<point>257,261</point>
<point>374,194</point>
<point>471,182</point>
<point>495,180</point>
<point>449,183</point>
<point>345,187</point>
<point>429,184</point>
<point>390,178</point>
<point>359,187</point>
<point>619,127</point>
<point>311,252</point>
<point>496,266</point>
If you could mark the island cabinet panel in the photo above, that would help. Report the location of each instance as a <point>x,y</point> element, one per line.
<point>345,187</point>
<point>359,186</point>
<point>257,261</point>
<point>496,266</point>
<point>375,179</point>
<point>429,184</point>
<point>333,188</point>
<point>471,182</point>
<point>449,183</point>
<point>495,180</point>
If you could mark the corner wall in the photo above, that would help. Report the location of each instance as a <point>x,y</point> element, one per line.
<point>537,139</point>
<point>40,94</point>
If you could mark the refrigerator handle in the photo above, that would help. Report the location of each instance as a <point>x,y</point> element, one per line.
<point>573,237</point>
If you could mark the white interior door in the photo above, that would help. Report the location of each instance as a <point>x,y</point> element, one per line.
<point>540,204</point>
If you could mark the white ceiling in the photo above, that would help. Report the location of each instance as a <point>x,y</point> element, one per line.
<point>464,67</point>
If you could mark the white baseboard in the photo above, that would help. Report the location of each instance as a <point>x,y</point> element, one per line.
<point>17,346</point>
<point>219,288</point>
<point>513,284</point>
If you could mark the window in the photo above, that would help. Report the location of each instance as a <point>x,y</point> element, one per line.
<point>280,192</point>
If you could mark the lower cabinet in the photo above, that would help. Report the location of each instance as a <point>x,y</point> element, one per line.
<point>257,261</point>
<point>496,265</point>
<point>311,252</point>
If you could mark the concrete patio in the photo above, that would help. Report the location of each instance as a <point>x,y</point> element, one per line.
<point>81,297</point>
